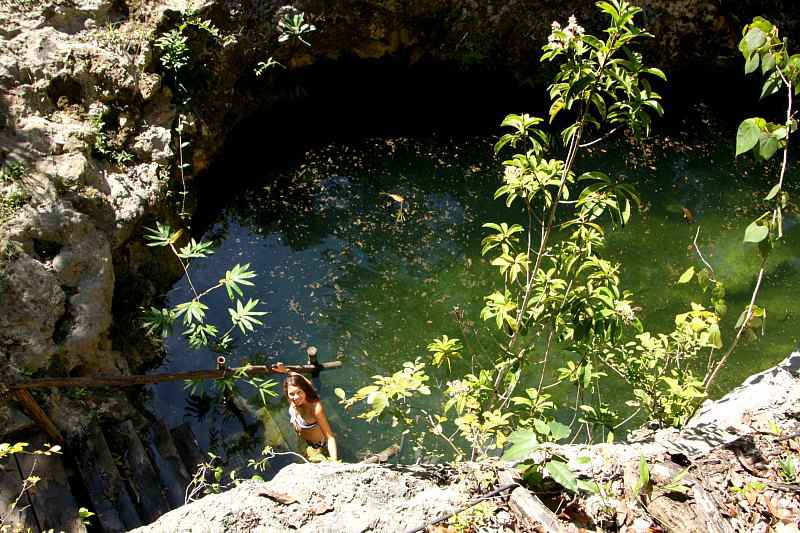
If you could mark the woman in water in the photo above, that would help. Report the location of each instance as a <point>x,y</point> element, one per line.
<point>306,413</point>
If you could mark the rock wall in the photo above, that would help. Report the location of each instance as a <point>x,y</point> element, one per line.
<point>73,267</point>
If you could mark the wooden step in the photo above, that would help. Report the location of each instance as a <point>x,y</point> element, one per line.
<point>10,485</point>
<point>53,503</point>
<point>188,449</point>
<point>110,497</point>
<point>143,481</point>
<point>168,463</point>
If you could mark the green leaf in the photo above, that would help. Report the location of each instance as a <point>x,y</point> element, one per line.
<point>656,72</point>
<point>379,401</point>
<point>589,486</point>
<point>714,336</point>
<point>767,63</point>
<point>754,39</point>
<point>773,191</point>
<point>562,475</point>
<point>747,135</point>
<point>771,86</point>
<point>339,393</point>
<point>686,277</point>
<point>592,41</point>
<point>755,232</point>
<point>644,476</point>
<point>559,431</point>
<point>523,443</point>
<point>236,276</point>
<point>752,63</point>
<point>541,426</point>
<point>767,145</point>
<point>577,87</point>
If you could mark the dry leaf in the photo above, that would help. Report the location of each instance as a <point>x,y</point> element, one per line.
<point>278,496</point>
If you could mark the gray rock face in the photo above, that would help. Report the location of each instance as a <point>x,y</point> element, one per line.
<point>327,498</point>
<point>60,65</point>
<point>75,276</point>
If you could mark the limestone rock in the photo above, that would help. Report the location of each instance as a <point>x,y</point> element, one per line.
<point>72,258</point>
<point>32,302</point>
<point>327,498</point>
<point>153,144</point>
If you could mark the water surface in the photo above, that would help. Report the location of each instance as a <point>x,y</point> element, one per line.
<point>341,268</point>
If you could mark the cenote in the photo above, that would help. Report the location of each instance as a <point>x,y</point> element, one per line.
<point>342,268</point>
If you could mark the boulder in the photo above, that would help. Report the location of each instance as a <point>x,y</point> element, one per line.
<point>322,498</point>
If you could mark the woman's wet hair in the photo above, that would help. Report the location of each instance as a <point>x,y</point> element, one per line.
<point>303,384</point>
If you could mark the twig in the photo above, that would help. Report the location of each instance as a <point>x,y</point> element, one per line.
<point>600,139</point>
<point>700,255</point>
<point>474,502</point>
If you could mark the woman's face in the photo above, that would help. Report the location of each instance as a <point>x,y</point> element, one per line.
<point>296,395</point>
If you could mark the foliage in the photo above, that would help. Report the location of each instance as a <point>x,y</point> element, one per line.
<point>13,194</point>
<point>562,296</point>
<point>764,51</point>
<point>209,477</point>
<point>473,518</point>
<point>198,331</point>
<point>29,481</point>
<point>176,58</point>
<point>444,350</point>
<point>559,294</point>
<point>103,146</point>
<point>176,52</point>
<point>292,25</point>
<point>787,469</point>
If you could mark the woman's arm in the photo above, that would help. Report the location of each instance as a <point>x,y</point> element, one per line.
<point>322,420</point>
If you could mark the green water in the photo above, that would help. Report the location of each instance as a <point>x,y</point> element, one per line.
<point>339,270</point>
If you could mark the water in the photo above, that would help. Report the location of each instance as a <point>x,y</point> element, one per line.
<point>341,267</point>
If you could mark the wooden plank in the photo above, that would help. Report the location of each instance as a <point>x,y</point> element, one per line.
<point>31,407</point>
<point>528,508</point>
<point>168,463</point>
<point>146,379</point>
<point>188,449</point>
<point>141,476</point>
<point>52,500</point>
<point>110,498</point>
<point>10,486</point>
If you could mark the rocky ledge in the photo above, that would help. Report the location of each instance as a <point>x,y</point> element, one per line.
<point>731,445</point>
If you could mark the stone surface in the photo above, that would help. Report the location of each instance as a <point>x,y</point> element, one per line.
<point>327,498</point>
<point>774,392</point>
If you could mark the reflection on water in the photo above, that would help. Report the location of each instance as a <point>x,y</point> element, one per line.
<point>341,268</point>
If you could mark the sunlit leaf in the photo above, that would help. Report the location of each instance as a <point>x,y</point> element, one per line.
<point>747,135</point>
<point>523,443</point>
<point>686,277</point>
<point>755,232</point>
<point>562,474</point>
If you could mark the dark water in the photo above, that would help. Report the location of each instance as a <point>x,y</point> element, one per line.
<point>339,269</point>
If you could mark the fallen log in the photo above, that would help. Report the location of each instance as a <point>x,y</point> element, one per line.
<point>383,456</point>
<point>527,507</point>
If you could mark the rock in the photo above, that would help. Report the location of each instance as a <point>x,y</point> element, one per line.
<point>73,17</point>
<point>72,257</point>
<point>12,419</point>
<point>774,391</point>
<point>32,302</point>
<point>153,144</point>
<point>327,498</point>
